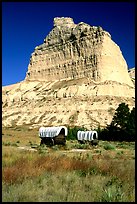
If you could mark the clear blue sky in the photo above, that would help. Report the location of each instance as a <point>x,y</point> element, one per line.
<point>26,24</point>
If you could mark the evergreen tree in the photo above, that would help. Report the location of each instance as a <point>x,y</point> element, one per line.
<point>131,124</point>
<point>121,116</point>
<point>122,126</point>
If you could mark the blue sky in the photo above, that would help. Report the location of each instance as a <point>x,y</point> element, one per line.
<point>26,24</point>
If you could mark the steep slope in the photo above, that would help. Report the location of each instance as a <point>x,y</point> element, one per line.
<point>78,76</point>
<point>73,51</point>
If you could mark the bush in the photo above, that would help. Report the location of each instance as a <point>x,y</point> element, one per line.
<point>81,146</point>
<point>109,147</point>
<point>72,132</point>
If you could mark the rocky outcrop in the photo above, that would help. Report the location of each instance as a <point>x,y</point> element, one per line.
<point>72,51</point>
<point>67,102</point>
<point>78,76</point>
<point>131,72</point>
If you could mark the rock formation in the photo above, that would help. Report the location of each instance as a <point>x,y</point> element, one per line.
<point>131,72</point>
<point>73,51</point>
<point>78,76</point>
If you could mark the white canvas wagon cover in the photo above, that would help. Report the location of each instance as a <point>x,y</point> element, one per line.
<point>52,131</point>
<point>87,135</point>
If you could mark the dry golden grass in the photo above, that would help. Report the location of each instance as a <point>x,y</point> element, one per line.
<point>59,174</point>
<point>25,168</point>
<point>116,174</point>
<point>23,135</point>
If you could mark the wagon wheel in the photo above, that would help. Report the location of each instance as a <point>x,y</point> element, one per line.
<point>41,142</point>
<point>64,141</point>
<point>52,142</point>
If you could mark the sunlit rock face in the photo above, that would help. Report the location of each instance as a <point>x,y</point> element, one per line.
<point>72,51</point>
<point>131,72</point>
<point>77,77</point>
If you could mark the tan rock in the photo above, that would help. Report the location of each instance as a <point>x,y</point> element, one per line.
<point>78,76</point>
<point>131,72</point>
<point>73,51</point>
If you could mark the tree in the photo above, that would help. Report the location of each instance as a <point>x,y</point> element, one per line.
<point>121,117</point>
<point>122,126</point>
<point>131,124</point>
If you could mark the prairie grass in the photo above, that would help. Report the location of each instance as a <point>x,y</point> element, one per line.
<point>109,147</point>
<point>20,135</point>
<point>69,179</point>
<point>60,175</point>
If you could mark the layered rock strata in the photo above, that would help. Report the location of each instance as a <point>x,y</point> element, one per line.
<point>78,76</point>
<point>72,51</point>
<point>71,102</point>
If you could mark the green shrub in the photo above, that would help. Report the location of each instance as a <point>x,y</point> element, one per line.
<point>6,143</point>
<point>81,146</point>
<point>109,147</point>
<point>72,132</point>
<point>98,151</point>
<point>14,144</point>
<point>55,147</point>
<point>120,152</point>
<point>10,144</point>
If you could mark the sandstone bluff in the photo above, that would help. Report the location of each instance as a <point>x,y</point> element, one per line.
<point>78,76</point>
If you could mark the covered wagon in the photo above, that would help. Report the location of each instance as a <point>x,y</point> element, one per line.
<point>87,137</point>
<point>53,135</point>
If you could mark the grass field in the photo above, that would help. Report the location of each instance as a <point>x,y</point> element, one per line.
<point>74,173</point>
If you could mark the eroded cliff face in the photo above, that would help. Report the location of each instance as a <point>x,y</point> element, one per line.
<point>66,102</point>
<point>78,76</point>
<point>131,72</point>
<point>73,51</point>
